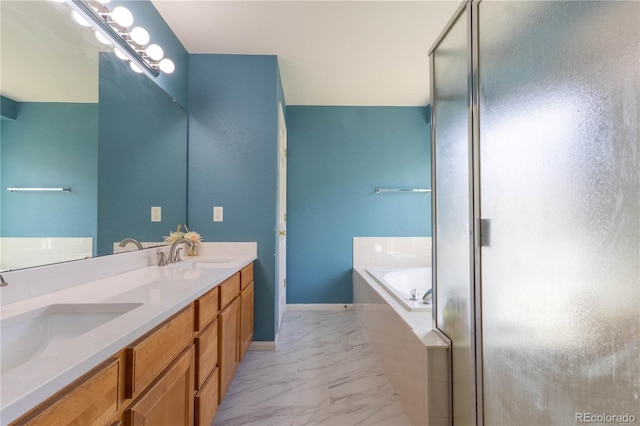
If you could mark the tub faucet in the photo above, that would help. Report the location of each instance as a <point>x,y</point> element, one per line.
<point>414,294</point>
<point>174,254</point>
<point>426,299</point>
<point>3,283</point>
<point>132,241</point>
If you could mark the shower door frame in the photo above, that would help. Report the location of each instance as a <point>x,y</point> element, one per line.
<point>471,8</point>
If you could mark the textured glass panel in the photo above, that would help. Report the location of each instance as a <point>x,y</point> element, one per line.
<point>451,101</point>
<point>560,183</point>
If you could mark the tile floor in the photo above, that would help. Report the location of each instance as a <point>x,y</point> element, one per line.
<point>324,373</point>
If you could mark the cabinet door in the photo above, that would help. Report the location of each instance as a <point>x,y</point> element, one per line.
<point>246,319</point>
<point>206,404</point>
<point>229,358</point>
<point>92,402</point>
<point>169,401</point>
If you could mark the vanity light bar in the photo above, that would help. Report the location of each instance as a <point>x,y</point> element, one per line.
<point>119,40</point>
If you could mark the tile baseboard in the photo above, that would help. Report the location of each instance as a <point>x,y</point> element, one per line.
<point>319,306</point>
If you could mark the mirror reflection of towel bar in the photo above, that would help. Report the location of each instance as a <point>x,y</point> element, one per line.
<point>39,189</point>
<point>379,190</point>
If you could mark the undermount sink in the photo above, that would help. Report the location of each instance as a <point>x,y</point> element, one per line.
<point>41,331</point>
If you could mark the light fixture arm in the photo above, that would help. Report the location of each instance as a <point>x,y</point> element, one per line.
<point>101,25</point>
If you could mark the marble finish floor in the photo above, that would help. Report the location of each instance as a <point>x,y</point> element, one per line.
<point>324,373</point>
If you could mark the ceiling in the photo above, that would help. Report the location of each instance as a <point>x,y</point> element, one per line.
<point>329,52</point>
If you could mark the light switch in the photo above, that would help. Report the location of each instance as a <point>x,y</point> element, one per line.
<point>156,214</point>
<point>217,214</point>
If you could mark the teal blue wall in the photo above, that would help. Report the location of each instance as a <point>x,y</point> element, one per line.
<point>143,157</point>
<point>50,145</point>
<point>146,16</point>
<point>336,158</point>
<point>233,149</point>
<point>8,108</point>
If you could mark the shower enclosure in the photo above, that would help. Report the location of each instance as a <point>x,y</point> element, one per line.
<point>536,176</point>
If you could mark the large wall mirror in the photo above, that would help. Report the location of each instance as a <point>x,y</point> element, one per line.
<point>76,117</point>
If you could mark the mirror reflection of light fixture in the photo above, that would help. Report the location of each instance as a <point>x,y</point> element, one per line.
<point>128,44</point>
<point>102,39</point>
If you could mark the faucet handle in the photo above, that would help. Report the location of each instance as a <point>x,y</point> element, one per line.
<point>414,294</point>
<point>163,260</point>
<point>177,258</point>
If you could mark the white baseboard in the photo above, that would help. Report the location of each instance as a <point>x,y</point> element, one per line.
<point>262,346</point>
<point>319,306</point>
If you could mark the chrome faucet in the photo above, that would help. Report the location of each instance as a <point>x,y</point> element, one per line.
<point>3,283</point>
<point>131,240</point>
<point>174,253</point>
<point>414,294</point>
<point>426,299</point>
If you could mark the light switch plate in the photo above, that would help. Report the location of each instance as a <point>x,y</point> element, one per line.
<point>156,214</point>
<point>217,214</point>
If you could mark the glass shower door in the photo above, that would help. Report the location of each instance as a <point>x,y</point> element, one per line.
<point>560,185</point>
<point>452,209</point>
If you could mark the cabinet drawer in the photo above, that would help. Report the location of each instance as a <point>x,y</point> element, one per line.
<point>93,402</point>
<point>229,289</point>
<point>206,403</point>
<point>206,353</point>
<point>207,307</point>
<point>246,276</point>
<point>146,359</point>
<point>169,401</point>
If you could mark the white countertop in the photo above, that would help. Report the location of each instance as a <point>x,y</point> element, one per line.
<point>163,291</point>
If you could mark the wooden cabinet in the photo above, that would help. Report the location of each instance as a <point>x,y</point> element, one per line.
<point>207,307</point>
<point>229,290</point>
<point>246,276</point>
<point>92,400</point>
<point>150,355</point>
<point>176,374</point>
<point>206,403</point>
<point>228,359</point>
<point>169,400</point>
<point>246,318</point>
<point>246,309</point>
<point>206,344</point>
<point>207,347</point>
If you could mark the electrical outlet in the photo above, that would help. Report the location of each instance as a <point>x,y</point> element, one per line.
<point>217,214</point>
<point>156,214</point>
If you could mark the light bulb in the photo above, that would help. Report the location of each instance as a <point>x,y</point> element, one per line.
<point>120,54</point>
<point>79,19</point>
<point>140,36</point>
<point>167,66</point>
<point>102,39</point>
<point>122,16</point>
<point>135,68</point>
<point>154,52</point>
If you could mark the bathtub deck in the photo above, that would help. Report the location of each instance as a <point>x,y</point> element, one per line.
<point>414,357</point>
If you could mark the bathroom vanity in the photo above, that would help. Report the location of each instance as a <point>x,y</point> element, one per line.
<point>162,343</point>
